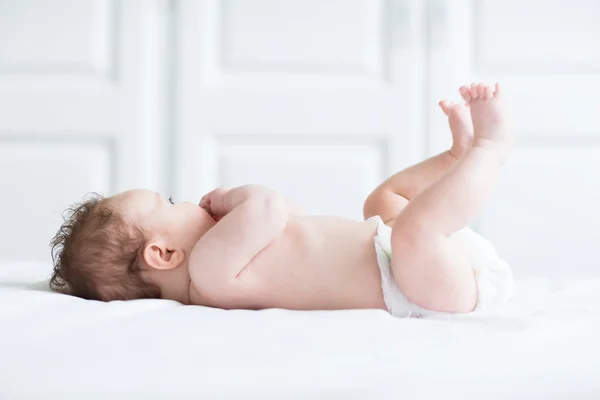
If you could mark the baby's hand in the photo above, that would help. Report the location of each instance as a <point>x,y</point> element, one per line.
<point>212,202</point>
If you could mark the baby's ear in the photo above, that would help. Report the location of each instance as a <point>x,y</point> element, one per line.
<point>158,255</point>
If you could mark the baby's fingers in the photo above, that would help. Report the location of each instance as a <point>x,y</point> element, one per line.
<point>205,203</point>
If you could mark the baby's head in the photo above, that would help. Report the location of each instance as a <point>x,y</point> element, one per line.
<point>130,246</point>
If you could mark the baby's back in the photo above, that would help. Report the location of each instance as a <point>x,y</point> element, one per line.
<point>317,263</point>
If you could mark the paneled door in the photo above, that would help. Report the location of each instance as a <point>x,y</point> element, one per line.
<point>80,110</point>
<point>545,215</point>
<point>319,99</point>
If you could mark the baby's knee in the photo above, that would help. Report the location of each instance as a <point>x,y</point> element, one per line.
<point>384,203</point>
<point>372,204</point>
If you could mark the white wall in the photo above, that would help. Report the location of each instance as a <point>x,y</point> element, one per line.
<point>83,107</point>
<point>319,99</point>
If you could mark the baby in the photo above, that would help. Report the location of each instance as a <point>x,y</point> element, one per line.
<point>248,248</point>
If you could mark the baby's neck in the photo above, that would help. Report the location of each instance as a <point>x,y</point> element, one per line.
<point>174,284</point>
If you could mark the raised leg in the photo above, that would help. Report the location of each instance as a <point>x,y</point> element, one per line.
<point>430,266</point>
<point>390,198</point>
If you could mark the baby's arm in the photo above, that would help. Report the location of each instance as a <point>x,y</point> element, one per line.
<point>251,218</point>
<point>293,208</point>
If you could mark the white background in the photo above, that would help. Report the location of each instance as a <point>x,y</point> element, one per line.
<point>320,99</point>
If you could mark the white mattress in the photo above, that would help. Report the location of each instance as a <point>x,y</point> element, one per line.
<point>544,345</point>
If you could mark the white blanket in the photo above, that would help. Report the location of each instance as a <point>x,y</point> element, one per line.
<point>543,345</point>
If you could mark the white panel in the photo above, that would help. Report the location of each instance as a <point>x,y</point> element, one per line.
<point>39,180</point>
<point>544,53</point>
<point>555,35</point>
<point>321,35</point>
<point>323,179</point>
<point>91,69</point>
<point>298,87</point>
<point>555,106</point>
<point>58,36</point>
<point>545,215</point>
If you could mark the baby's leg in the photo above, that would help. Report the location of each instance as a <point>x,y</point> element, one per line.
<point>430,267</point>
<point>390,198</point>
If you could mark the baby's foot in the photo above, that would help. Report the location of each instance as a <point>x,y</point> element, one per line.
<point>459,119</point>
<point>488,115</point>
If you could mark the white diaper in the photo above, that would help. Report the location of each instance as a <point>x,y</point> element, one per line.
<point>494,277</point>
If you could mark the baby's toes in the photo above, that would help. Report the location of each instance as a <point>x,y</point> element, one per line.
<point>488,92</point>
<point>481,90</point>
<point>474,91</point>
<point>449,108</point>
<point>465,93</point>
<point>497,91</point>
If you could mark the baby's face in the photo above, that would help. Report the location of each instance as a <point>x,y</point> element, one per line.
<point>182,224</point>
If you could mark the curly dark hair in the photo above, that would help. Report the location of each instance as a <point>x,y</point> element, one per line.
<point>96,255</point>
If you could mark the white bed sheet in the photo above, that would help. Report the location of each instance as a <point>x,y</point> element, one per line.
<point>544,345</point>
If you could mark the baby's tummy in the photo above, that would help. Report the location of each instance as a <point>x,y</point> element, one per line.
<point>328,275</point>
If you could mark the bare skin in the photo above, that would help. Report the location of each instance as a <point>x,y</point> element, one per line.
<point>256,251</point>
<point>314,263</point>
<point>430,266</point>
<point>390,198</point>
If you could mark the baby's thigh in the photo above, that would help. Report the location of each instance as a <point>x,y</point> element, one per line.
<point>433,271</point>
